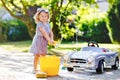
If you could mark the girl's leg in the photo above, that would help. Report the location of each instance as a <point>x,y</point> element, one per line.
<point>36,59</point>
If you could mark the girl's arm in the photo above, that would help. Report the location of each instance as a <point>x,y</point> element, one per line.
<point>51,34</point>
<point>45,34</point>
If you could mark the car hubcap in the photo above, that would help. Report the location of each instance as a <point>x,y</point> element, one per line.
<point>102,68</point>
<point>117,63</point>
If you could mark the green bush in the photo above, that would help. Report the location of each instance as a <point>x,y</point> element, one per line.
<point>90,24</point>
<point>114,22</point>
<point>3,31</point>
<point>15,30</point>
<point>95,30</point>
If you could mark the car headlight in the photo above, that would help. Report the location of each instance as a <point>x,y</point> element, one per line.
<point>90,59</point>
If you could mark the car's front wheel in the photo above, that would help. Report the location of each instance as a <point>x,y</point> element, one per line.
<point>70,69</point>
<point>100,68</point>
<point>116,64</point>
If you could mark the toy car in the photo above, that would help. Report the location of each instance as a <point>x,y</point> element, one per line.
<point>92,58</point>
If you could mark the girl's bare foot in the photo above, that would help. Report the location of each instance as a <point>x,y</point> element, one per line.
<point>35,71</point>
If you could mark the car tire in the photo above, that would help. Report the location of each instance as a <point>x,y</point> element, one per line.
<point>70,69</point>
<point>116,64</point>
<point>100,68</point>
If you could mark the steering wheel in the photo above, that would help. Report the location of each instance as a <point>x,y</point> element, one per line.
<point>93,44</point>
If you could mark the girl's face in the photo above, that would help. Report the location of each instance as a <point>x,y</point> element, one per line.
<point>43,17</point>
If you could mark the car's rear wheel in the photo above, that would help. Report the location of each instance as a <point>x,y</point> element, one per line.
<point>70,69</point>
<point>116,64</point>
<point>100,68</point>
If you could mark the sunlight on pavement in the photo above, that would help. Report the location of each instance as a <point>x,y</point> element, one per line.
<point>19,66</point>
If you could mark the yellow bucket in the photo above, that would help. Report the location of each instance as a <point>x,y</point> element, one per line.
<point>50,65</point>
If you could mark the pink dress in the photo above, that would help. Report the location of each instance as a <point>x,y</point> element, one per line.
<point>39,43</point>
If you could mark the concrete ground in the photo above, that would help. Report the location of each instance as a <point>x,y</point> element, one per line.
<point>18,66</point>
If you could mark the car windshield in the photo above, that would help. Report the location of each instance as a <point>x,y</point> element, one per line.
<point>95,49</point>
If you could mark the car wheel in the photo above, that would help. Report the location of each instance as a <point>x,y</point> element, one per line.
<point>70,69</point>
<point>100,68</point>
<point>116,64</point>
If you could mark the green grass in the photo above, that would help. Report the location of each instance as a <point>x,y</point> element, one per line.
<point>72,46</point>
<point>24,46</point>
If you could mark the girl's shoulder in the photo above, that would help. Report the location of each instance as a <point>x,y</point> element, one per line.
<point>48,23</point>
<point>39,24</point>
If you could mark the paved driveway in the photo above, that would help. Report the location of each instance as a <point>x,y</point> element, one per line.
<point>18,66</point>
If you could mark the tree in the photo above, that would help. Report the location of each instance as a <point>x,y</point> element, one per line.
<point>20,9</point>
<point>59,9</point>
<point>114,21</point>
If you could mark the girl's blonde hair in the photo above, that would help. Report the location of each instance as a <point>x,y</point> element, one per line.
<point>36,16</point>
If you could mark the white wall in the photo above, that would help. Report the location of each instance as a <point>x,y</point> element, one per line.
<point>7,16</point>
<point>4,14</point>
<point>103,6</point>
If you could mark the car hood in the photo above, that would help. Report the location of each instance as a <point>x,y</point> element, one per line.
<point>84,54</point>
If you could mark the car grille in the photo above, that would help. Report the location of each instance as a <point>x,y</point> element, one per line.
<point>75,60</point>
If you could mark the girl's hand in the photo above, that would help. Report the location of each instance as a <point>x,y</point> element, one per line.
<point>52,42</point>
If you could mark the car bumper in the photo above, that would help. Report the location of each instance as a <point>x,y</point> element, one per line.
<point>82,66</point>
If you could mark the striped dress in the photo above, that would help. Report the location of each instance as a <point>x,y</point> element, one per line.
<point>39,43</point>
